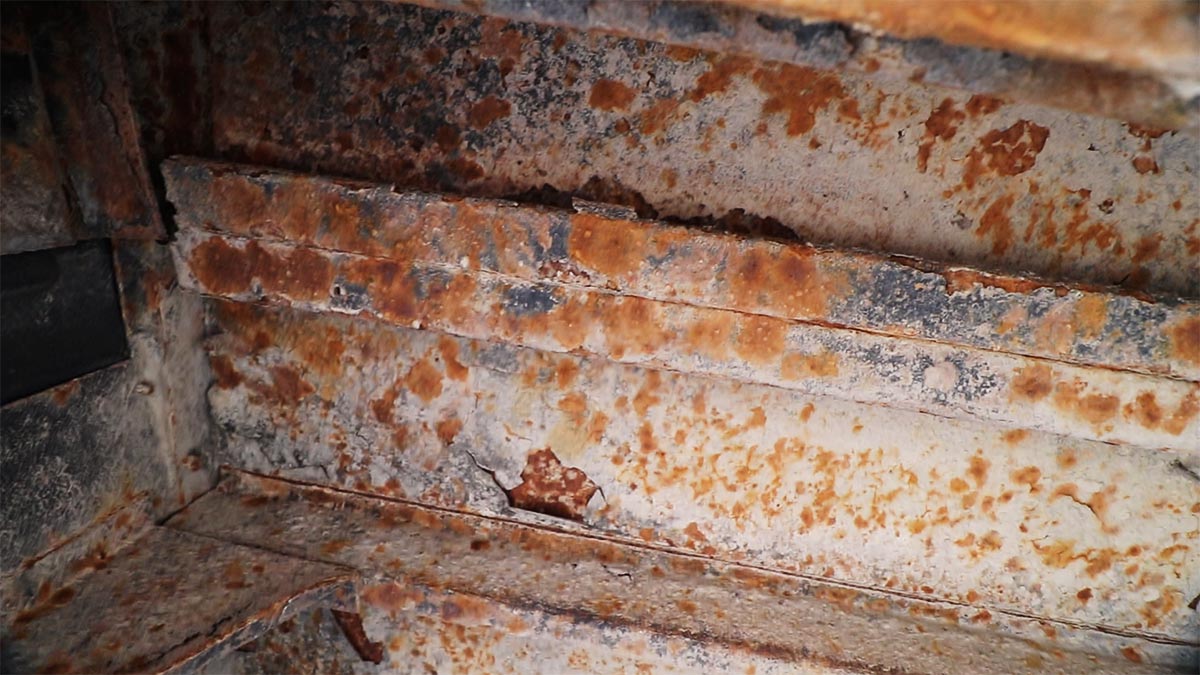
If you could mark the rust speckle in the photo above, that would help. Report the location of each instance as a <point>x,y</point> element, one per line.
<point>487,111</point>
<point>610,95</point>
<point>1032,383</point>
<point>424,380</point>
<point>1005,152</point>
<point>550,488</point>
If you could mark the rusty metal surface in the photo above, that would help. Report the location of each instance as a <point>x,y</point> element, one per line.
<point>481,106</point>
<point>167,602</point>
<point>1152,35</point>
<point>81,453</point>
<point>1155,100</point>
<point>36,212</point>
<point>72,163</point>
<point>477,565</point>
<point>704,303</point>
<point>1006,518</point>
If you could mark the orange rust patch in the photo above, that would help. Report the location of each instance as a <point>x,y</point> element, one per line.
<point>633,327</point>
<point>980,104</point>
<point>1032,383</point>
<point>1091,315</point>
<point>1005,152</point>
<point>382,407</point>
<point>799,366</point>
<point>806,412</point>
<point>1014,436</point>
<point>610,95</point>
<point>447,430</point>
<point>613,248</point>
<point>1095,408</point>
<point>1147,247</point>
<point>760,339</point>
<point>1132,654</point>
<point>227,377</point>
<point>550,488</point>
<point>995,221</point>
<point>656,117</point>
<point>978,470</point>
<point>392,597</point>
<point>710,335</point>
<point>721,70</point>
<point>1185,340</point>
<point>487,111</point>
<point>449,351</point>
<point>799,92</point>
<point>940,125</point>
<point>1029,475</point>
<point>424,380</point>
<point>784,280</point>
<point>1144,164</point>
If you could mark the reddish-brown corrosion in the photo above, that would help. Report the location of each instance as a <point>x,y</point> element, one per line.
<point>1185,340</point>
<point>352,627</point>
<point>550,488</point>
<point>1005,152</point>
<point>799,92</point>
<point>487,111</point>
<point>610,95</point>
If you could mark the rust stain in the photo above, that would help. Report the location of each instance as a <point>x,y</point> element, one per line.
<point>447,430</point>
<point>455,370</point>
<point>710,335</point>
<point>978,470</point>
<point>382,407</point>
<point>1005,152</point>
<point>940,125</point>
<point>799,92</point>
<point>424,380</point>
<point>1095,408</point>
<point>1032,383</point>
<point>610,95</point>
<point>602,245</point>
<point>995,221</point>
<point>786,279</point>
<point>1143,165</point>
<point>1014,436</point>
<point>721,71</point>
<point>760,339</point>
<point>1132,654</point>
<point>487,111</point>
<point>800,366</point>
<point>225,374</point>
<point>1185,340</point>
<point>550,488</point>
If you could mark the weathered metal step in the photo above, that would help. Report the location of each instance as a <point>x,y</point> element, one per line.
<point>822,322</point>
<point>492,586</point>
<point>168,602</point>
